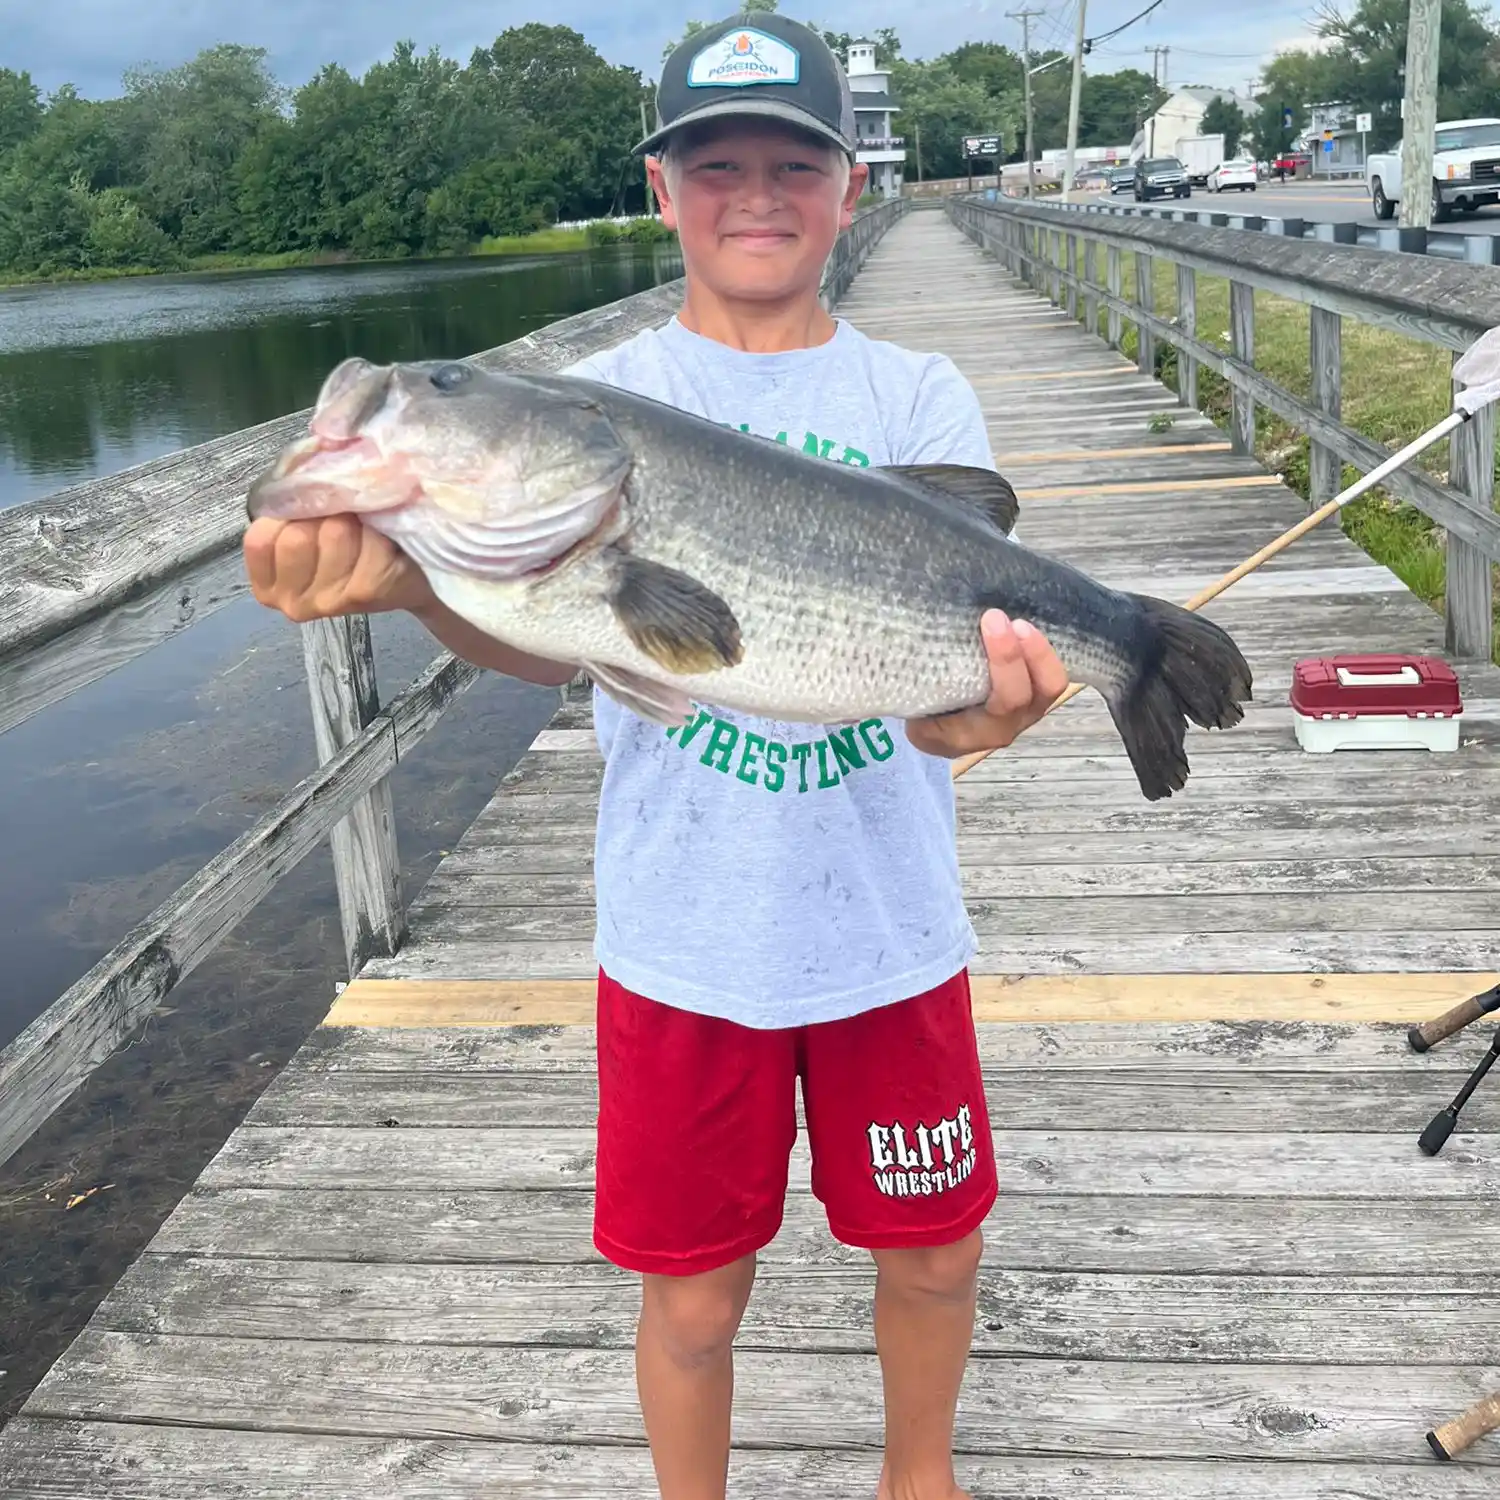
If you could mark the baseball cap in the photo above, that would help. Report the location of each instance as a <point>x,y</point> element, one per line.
<point>760,64</point>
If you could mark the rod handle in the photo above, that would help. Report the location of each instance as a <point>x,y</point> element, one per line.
<point>1449,1440</point>
<point>1465,1013</point>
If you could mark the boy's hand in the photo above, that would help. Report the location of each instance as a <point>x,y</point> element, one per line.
<point>331,566</point>
<point>1026,678</point>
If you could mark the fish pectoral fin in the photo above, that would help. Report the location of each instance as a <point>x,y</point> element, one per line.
<point>656,701</point>
<point>672,618</point>
<point>982,491</point>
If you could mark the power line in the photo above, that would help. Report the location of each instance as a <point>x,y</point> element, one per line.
<point>1091,42</point>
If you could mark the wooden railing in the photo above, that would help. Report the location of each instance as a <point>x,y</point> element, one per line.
<point>95,576</point>
<point>1056,250</point>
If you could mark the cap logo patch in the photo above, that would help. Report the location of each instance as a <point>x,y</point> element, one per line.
<point>741,58</point>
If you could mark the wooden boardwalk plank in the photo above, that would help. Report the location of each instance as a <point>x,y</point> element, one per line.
<point>129,1462</point>
<point>1276,1165</point>
<point>1129,1409</point>
<point>1078,1233</point>
<point>1107,1100</point>
<point>1249,1319</point>
<point>1219,1266</point>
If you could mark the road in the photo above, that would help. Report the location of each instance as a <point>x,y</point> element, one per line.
<point>1329,203</point>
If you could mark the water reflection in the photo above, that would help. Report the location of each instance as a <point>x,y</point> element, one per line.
<point>97,378</point>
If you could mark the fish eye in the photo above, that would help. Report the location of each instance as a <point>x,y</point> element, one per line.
<point>450,377</point>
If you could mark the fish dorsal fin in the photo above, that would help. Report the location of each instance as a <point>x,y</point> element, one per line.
<point>982,491</point>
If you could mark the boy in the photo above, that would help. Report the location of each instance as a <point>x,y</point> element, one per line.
<point>788,904</point>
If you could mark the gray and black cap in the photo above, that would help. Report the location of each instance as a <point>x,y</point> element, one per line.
<point>760,64</point>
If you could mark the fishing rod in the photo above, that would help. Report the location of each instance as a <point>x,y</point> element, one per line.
<point>1478,370</point>
<point>1442,1124</point>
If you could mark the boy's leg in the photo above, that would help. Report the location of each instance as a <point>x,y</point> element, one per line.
<point>697,1118</point>
<point>903,1161</point>
<point>924,1324</point>
<point>684,1370</point>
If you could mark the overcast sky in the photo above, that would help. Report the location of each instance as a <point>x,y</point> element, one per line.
<point>91,42</point>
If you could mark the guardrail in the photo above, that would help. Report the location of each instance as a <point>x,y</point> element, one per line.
<point>1472,249</point>
<point>1055,249</point>
<point>95,576</point>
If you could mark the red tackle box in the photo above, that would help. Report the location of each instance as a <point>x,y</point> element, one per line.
<point>1375,701</point>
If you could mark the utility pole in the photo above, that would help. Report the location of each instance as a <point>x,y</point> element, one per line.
<point>1419,132</point>
<point>1073,102</point>
<point>1024,17</point>
<point>1159,57</point>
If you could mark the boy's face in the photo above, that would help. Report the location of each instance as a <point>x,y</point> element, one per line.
<point>756,205</point>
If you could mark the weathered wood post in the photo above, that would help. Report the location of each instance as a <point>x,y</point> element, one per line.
<point>1070,265</point>
<point>1115,283</point>
<point>1091,279</point>
<point>1242,342</point>
<point>341,683</point>
<point>1187,320</point>
<point>1468,604</point>
<point>1145,297</point>
<point>1326,359</point>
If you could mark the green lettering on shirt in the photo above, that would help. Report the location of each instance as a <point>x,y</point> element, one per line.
<point>775,777</point>
<point>818,447</point>
<point>823,782</point>
<point>747,758</point>
<point>855,457</point>
<point>687,731</point>
<point>800,754</point>
<point>721,740</point>
<point>880,745</point>
<point>845,752</point>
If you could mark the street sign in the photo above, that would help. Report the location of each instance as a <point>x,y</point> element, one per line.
<point>1364,123</point>
<point>1328,147</point>
<point>981,145</point>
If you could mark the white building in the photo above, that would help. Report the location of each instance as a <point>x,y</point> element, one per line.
<point>873,108</point>
<point>1182,115</point>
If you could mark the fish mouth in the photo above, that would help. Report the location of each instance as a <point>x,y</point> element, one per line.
<point>326,475</point>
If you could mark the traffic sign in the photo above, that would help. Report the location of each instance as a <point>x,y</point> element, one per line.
<point>1364,123</point>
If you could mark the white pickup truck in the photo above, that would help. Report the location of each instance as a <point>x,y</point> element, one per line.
<point>1465,170</point>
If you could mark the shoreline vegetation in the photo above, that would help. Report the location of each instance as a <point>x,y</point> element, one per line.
<point>554,239</point>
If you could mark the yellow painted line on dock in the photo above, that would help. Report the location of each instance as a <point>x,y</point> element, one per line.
<point>1035,998</point>
<point>1085,453</point>
<point>1143,487</point>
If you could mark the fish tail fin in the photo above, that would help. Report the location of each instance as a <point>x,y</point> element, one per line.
<point>1193,670</point>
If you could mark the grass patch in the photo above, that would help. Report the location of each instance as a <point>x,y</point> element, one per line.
<point>539,242</point>
<point>1393,389</point>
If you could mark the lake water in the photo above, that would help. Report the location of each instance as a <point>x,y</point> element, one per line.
<point>111,799</point>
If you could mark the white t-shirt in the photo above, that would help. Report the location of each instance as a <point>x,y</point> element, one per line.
<point>779,874</point>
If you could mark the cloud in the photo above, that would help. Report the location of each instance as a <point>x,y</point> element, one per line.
<point>91,43</point>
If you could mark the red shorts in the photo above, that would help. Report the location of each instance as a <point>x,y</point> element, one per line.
<point>697,1121</point>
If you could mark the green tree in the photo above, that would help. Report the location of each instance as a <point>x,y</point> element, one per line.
<point>1222,117</point>
<point>20,109</point>
<point>1112,106</point>
<point>183,130</point>
<point>944,108</point>
<point>1368,46</point>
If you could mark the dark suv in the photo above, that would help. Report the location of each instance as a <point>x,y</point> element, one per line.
<point>1161,177</point>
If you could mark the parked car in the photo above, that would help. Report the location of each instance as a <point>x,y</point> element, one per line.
<point>1465,170</point>
<point>1239,173</point>
<point>1161,177</point>
<point>1121,179</point>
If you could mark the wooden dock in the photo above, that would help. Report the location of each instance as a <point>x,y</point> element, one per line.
<point>1219,1268</point>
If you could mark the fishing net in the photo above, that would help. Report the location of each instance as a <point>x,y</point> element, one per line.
<point>1479,371</point>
